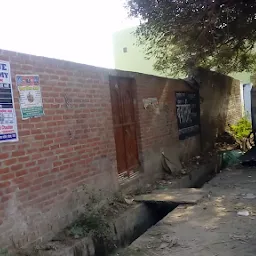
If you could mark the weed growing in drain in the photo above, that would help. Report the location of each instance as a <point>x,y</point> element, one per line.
<point>93,222</point>
<point>96,225</point>
<point>99,222</point>
<point>4,252</point>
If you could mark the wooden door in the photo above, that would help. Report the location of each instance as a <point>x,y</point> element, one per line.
<point>124,124</point>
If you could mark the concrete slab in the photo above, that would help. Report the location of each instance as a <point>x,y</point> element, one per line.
<point>180,196</point>
<point>211,228</point>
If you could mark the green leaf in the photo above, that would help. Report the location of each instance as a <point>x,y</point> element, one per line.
<point>182,34</point>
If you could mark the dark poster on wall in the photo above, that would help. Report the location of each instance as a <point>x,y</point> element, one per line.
<point>188,114</point>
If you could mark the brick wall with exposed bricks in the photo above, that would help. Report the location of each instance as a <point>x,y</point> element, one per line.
<point>158,126</point>
<point>47,177</point>
<point>72,145</point>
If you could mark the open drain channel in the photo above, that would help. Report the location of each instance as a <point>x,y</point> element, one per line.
<point>153,212</point>
<point>157,211</point>
<point>130,225</point>
<point>150,214</point>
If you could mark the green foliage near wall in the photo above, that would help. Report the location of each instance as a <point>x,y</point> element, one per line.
<point>182,34</point>
<point>242,128</point>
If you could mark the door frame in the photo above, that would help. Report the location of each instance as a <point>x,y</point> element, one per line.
<point>132,171</point>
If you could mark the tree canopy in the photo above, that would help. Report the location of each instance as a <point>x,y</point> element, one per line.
<point>182,34</point>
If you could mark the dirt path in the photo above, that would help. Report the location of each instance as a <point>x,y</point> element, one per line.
<point>210,228</point>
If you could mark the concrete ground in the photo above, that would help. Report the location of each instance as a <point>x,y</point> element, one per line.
<point>213,227</point>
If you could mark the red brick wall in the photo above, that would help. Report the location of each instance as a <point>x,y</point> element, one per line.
<point>72,145</point>
<point>158,128</point>
<point>47,177</point>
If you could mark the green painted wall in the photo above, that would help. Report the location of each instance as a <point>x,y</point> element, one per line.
<point>134,59</point>
<point>244,77</point>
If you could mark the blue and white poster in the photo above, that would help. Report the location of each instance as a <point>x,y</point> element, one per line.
<point>8,121</point>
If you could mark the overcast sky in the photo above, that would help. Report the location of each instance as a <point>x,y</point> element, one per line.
<point>76,30</point>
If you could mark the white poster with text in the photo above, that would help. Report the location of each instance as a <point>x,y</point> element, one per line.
<point>8,121</point>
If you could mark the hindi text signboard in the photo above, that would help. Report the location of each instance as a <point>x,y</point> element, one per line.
<point>31,104</point>
<point>188,114</point>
